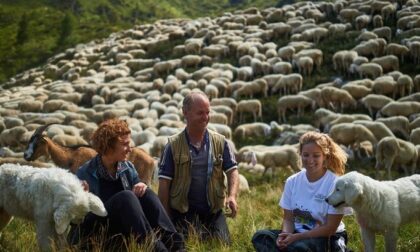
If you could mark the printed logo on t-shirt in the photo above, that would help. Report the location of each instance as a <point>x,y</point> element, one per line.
<point>305,218</point>
<point>320,197</point>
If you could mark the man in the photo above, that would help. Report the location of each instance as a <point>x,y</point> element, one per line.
<point>192,172</point>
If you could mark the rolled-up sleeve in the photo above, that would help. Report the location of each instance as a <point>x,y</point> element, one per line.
<point>229,161</point>
<point>166,165</point>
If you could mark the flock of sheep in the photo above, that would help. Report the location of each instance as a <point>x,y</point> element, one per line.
<point>120,76</point>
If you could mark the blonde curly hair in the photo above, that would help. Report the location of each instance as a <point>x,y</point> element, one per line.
<point>336,158</point>
<point>107,134</point>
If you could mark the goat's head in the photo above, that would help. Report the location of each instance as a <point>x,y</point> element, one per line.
<point>37,145</point>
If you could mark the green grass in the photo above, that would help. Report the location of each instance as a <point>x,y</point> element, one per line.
<point>257,210</point>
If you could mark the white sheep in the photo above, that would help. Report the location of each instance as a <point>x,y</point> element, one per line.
<point>378,129</point>
<point>392,152</point>
<point>385,85</point>
<point>344,118</point>
<point>404,85</point>
<point>315,54</point>
<point>226,110</point>
<point>388,63</point>
<point>284,156</point>
<point>370,70</point>
<point>399,125</point>
<point>396,108</point>
<point>288,84</point>
<point>415,136</point>
<point>343,59</point>
<point>416,83</point>
<point>211,91</point>
<point>374,102</point>
<point>357,91</point>
<point>252,130</point>
<point>383,32</point>
<point>398,50</point>
<point>305,65</point>
<point>249,106</point>
<point>282,68</point>
<point>351,135</point>
<point>362,21</point>
<point>258,86</point>
<point>221,129</point>
<point>299,102</point>
<point>12,137</point>
<point>377,21</point>
<point>338,99</point>
<point>218,118</point>
<point>286,53</point>
<point>245,73</point>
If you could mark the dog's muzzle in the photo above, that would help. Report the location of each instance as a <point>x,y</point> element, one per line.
<point>336,205</point>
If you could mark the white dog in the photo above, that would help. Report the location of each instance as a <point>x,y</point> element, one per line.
<point>51,197</point>
<point>380,206</point>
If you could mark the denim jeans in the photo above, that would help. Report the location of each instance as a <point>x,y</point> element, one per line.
<point>128,214</point>
<point>265,241</point>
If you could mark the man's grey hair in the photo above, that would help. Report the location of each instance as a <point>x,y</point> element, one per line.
<point>190,98</point>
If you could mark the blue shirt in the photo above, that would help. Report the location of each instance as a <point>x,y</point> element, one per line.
<point>88,171</point>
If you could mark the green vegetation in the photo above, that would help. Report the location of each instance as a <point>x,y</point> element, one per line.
<point>32,31</point>
<point>257,210</point>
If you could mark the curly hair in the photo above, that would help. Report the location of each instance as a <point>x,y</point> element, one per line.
<point>108,132</point>
<point>336,158</point>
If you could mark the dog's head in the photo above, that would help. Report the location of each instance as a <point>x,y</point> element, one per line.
<point>74,211</point>
<point>347,191</point>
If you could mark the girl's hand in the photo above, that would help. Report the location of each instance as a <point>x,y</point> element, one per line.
<point>139,189</point>
<point>284,239</point>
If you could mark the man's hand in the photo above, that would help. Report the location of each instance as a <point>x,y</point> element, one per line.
<point>232,206</point>
<point>139,189</point>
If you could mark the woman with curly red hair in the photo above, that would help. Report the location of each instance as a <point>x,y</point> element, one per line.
<point>133,208</point>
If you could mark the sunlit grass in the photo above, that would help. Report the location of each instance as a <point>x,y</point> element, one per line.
<point>258,209</point>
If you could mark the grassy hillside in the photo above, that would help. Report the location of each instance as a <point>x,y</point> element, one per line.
<point>33,30</point>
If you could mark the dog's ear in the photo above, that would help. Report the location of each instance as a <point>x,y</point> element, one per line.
<point>353,191</point>
<point>61,219</point>
<point>96,206</point>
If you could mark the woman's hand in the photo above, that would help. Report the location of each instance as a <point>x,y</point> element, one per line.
<point>285,239</point>
<point>139,189</point>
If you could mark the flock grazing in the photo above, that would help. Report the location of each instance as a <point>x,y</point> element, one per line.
<point>240,60</point>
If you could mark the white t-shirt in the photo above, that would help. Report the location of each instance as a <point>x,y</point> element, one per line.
<point>307,200</point>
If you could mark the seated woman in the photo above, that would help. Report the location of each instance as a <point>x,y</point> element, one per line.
<point>133,208</point>
<point>309,223</point>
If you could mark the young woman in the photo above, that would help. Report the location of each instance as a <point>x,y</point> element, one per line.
<point>309,223</point>
<point>133,208</point>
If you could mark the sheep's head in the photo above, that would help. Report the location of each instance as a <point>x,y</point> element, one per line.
<point>37,145</point>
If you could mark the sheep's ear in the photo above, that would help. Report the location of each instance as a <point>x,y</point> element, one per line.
<point>96,206</point>
<point>61,219</point>
<point>353,191</point>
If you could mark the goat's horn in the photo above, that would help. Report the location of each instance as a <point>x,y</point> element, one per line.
<point>42,129</point>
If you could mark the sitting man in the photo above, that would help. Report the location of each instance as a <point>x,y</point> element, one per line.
<point>192,172</point>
